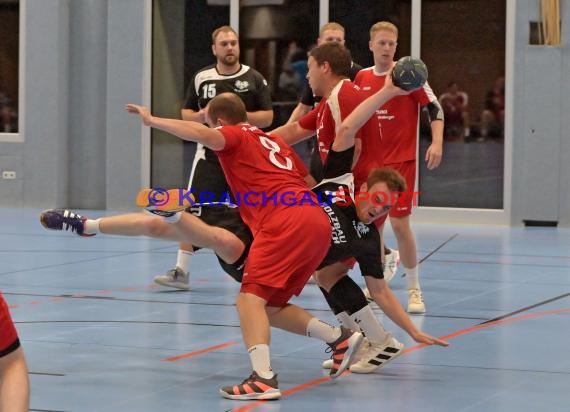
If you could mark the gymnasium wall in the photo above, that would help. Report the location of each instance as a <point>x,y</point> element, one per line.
<point>83,62</point>
<point>541,136</point>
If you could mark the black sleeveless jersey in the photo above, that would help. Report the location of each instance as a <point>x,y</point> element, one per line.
<point>206,177</point>
<point>351,237</point>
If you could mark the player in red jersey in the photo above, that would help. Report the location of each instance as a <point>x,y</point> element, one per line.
<point>14,381</point>
<point>261,166</point>
<point>399,136</point>
<point>329,66</point>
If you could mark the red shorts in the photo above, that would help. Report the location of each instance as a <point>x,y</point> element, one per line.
<point>285,253</point>
<point>8,336</point>
<point>404,204</point>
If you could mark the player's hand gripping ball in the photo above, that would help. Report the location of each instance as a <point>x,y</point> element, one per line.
<point>409,73</point>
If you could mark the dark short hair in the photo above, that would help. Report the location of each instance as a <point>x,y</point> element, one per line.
<point>393,179</point>
<point>227,106</point>
<point>336,55</point>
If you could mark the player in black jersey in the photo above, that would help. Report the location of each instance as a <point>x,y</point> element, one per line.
<point>207,179</point>
<point>355,236</point>
<point>362,242</point>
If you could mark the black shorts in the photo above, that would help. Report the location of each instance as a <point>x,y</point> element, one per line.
<point>226,218</point>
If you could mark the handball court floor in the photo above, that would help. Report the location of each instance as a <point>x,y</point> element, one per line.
<point>100,336</point>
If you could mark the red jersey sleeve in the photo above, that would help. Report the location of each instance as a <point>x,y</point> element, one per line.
<point>309,121</point>
<point>233,136</point>
<point>424,95</point>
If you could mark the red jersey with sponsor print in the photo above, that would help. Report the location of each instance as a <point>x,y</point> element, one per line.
<point>399,117</point>
<point>329,114</point>
<point>326,118</point>
<point>275,202</point>
<point>263,173</point>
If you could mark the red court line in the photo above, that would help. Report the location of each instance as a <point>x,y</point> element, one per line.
<point>450,336</point>
<point>199,352</point>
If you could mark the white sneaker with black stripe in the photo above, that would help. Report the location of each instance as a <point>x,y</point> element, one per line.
<point>377,355</point>
<point>391,263</point>
<point>328,364</point>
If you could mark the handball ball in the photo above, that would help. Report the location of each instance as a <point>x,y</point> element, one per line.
<point>409,73</point>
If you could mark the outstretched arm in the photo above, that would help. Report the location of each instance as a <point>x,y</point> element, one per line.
<point>391,306</point>
<point>292,133</point>
<point>360,115</point>
<point>186,130</point>
<point>260,118</point>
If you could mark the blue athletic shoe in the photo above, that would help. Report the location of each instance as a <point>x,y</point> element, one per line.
<point>63,219</point>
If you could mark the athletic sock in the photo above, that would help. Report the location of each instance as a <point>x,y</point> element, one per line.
<point>346,320</point>
<point>260,360</point>
<point>322,330</point>
<point>91,226</point>
<point>412,277</point>
<point>369,324</point>
<point>183,260</point>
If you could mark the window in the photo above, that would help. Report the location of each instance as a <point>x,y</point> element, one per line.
<point>9,70</point>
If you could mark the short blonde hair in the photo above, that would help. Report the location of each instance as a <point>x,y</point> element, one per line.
<point>330,26</point>
<point>383,25</point>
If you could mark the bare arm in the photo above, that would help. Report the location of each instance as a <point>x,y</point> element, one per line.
<point>360,115</point>
<point>310,180</point>
<point>194,116</point>
<point>292,133</point>
<point>260,118</point>
<point>392,307</point>
<point>434,153</point>
<point>299,111</point>
<point>186,130</point>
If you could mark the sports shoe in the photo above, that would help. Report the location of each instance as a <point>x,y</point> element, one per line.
<point>63,219</point>
<point>343,350</point>
<point>376,355</point>
<point>328,364</point>
<point>174,278</point>
<point>254,387</point>
<point>391,263</point>
<point>416,301</point>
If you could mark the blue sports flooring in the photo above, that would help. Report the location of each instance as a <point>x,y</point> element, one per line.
<point>100,336</point>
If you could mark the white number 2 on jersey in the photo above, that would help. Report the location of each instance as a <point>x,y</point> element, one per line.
<point>209,91</point>
<point>273,149</point>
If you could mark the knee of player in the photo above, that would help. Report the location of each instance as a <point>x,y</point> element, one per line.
<point>227,241</point>
<point>376,286</point>
<point>154,226</point>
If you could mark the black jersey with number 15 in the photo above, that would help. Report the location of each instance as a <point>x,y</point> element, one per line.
<point>206,174</point>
